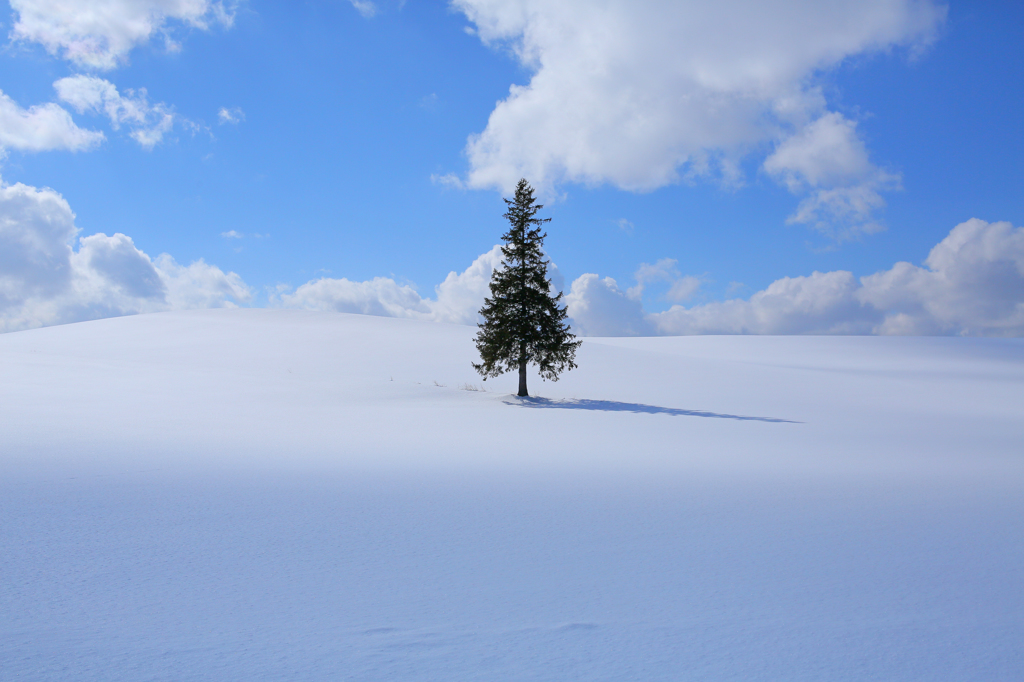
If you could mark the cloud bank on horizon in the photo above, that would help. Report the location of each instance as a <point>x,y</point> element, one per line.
<point>972,283</point>
<point>44,281</point>
<point>639,95</point>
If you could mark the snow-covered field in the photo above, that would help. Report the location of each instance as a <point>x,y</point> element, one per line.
<point>281,495</point>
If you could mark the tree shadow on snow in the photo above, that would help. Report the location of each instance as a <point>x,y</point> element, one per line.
<point>614,406</point>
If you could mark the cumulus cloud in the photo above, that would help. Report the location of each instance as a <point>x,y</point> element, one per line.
<point>598,307</point>
<point>972,283</point>
<point>44,280</point>
<point>42,127</point>
<point>148,122</point>
<point>461,295</point>
<point>35,227</point>
<point>199,285</point>
<point>640,93</point>
<point>828,159</point>
<point>821,303</point>
<point>100,33</point>
<point>381,296</point>
<point>825,152</point>
<point>457,298</point>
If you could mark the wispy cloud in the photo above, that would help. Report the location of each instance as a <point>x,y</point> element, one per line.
<point>365,7</point>
<point>148,123</point>
<point>232,116</point>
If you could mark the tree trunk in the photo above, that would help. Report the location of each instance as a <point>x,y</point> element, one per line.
<point>522,379</point>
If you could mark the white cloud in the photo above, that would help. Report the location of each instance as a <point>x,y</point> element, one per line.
<point>638,93</point>
<point>200,285</point>
<point>35,228</point>
<point>821,303</point>
<point>826,152</point>
<point>100,33</point>
<point>365,7</point>
<point>44,280</point>
<point>458,297</point>
<point>152,135</point>
<point>461,295</point>
<point>148,122</point>
<point>42,127</point>
<point>233,116</point>
<point>380,296</point>
<point>972,283</point>
<point>598,307</point>
<point>827,158</point>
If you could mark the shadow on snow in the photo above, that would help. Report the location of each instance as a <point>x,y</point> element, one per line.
<point>614,406</point>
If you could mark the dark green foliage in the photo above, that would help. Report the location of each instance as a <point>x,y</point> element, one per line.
<point>523,323</point>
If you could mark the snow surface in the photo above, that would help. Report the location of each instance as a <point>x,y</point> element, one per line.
<point>266,494</point>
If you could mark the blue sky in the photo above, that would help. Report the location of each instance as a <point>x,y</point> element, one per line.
<point>342,152</point>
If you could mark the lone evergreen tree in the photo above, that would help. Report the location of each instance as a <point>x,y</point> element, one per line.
<point>523,323</point>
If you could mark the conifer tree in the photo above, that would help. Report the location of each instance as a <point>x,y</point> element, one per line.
<point>523,323</point>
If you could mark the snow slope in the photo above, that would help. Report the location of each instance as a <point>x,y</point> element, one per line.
<point>262,494</point>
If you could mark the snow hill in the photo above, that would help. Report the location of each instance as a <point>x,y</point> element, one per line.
<point>267,494</point>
